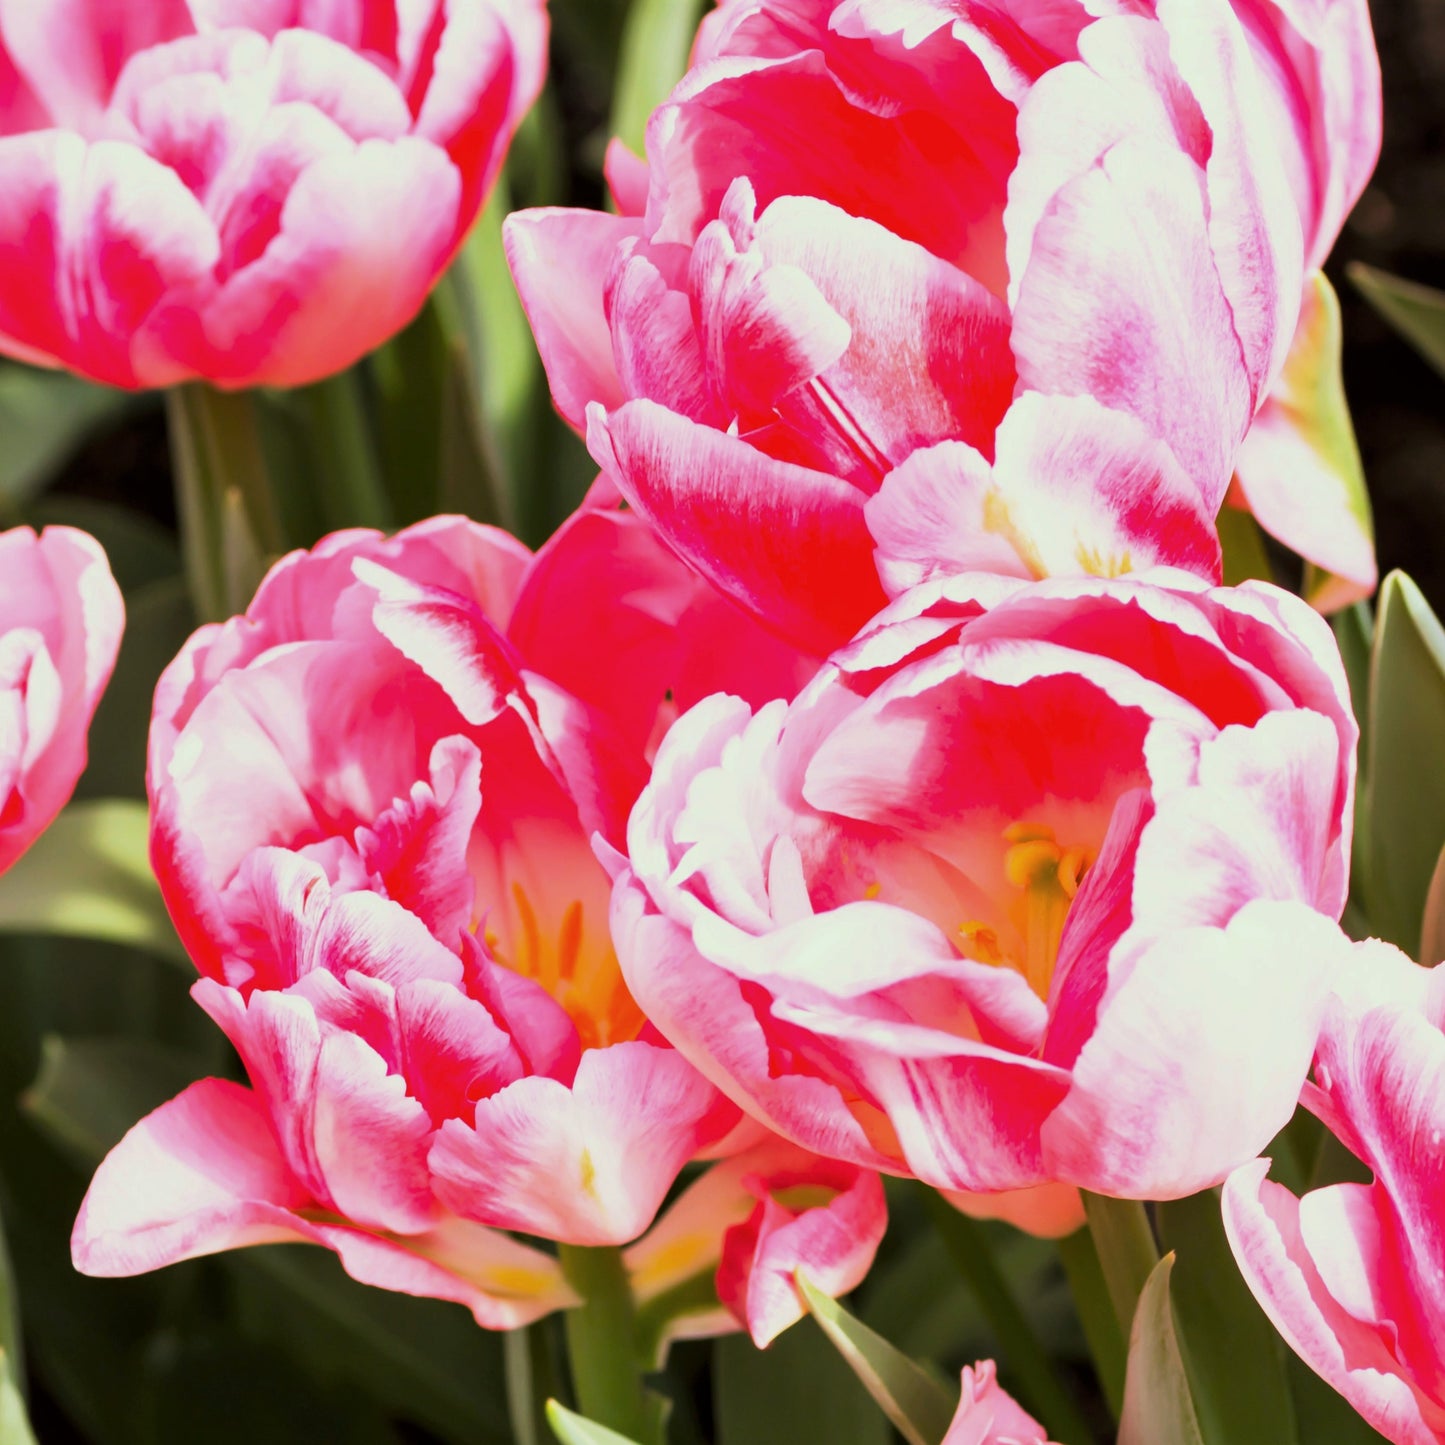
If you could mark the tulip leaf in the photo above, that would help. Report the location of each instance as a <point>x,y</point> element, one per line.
<point>917,1405</point>
<point>14,1422</point>
<point>572,1429</point>
<point>799,1388</point>
<point>1242,543</point>
<point>44,417</point>
<point>1234,1360</point>
<point>90,1091</point>
<point>1416,312</point>
<point>89,876</point>
<point>1432,929</point>
<point>1405,804</point>
<point>656,43</point>
<point>1158,1406</point>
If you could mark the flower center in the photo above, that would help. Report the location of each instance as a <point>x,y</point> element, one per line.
<point>577,969</point>
<point>1045,876</point>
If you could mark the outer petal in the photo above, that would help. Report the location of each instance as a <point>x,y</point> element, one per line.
<point>333,283</point>
<point>1198,1055</point>
<point>1047,1211</point>
<point>203,1173</point>
<point>585,1165</point>
<point>1262,1221</point>
<point>788,543</point>
<point>560,261</point>
<point>1076,488</point>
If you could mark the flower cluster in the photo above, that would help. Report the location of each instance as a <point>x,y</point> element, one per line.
<point>873,776</point>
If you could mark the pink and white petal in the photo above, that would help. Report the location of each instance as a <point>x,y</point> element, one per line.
<point>94,237</point>
<point>198,1175</point>
<point>1254,220</point>
<point>788,543</point>
<point>72,51</point>
<point>1198,1055</point>
<point>585,1165</point>
<point>1299,467</point>
<point>1261,1220</point>
<point>724,1028</point>
<point>798,1229</point>
<point>334,282</point>
<point>505,1283</point>
<point>988,1416</point>
<point>1047,1211</point>
<point>928,359</point>
<point>931,518</point>
<point>627,178</point>
<point>561,260</point>
<point>1121,301</point>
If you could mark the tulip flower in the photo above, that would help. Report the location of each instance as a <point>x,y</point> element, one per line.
<point>1027,886</point>
<point>980,287</point>
<point>1353,1275</point>
<point>61,618</point>
<point>373,824</point>
<point>987,1415</point>
<point>248,193</point>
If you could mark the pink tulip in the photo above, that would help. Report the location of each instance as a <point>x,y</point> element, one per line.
<point>372,823</point>
<point>988,286</point>
<point>751,1223</point>
<point>248,191</point>
<point>987,1415</point>
<point>1027,886</point>
<point>1353,1275</point>
<point>61,618</point>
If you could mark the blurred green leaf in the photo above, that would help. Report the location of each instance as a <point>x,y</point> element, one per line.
<point>44,417</point>
<point>1242,541</point>
<point>798,1389</point>
<point>1405,776</point>
<point>91,1091</point>
<point>1234,1360</point>
<point>1158,1408</point>
<point>140,550</point>
<point>912,1399</point>
<point>345,471</point>
<point>14,1422</point>
<point>424,1359</point>
<point>1416,312</point>
<point>572,1429</point>
<point>89,876</point>
<point>656,43</point>
<point>1432,929</point>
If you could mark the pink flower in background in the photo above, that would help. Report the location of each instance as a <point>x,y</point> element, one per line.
<point>1027,886</point>
<point>372,821</point>
<point>61,618</point>
<point>1353,1275</point>
<point>991,286</point>
<point>248,191</point>
<point>987,1415</point>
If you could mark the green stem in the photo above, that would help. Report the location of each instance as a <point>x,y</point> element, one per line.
<point>1108,1347</point>
<point>531,1382</point>
<point>1127,1250</point>
<point>602,1344</point>
<point>346,458</point>
<point>230,528</point>
<point>1019,1345</point>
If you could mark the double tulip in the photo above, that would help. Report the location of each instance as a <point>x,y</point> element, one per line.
<point>373,815</point>
<point>248,191</point>
<point>1030,886</point>
<point>907,290</point>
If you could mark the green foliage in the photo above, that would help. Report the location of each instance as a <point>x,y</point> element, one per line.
<point>1158,1406</point>
<point>1416,312</point>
